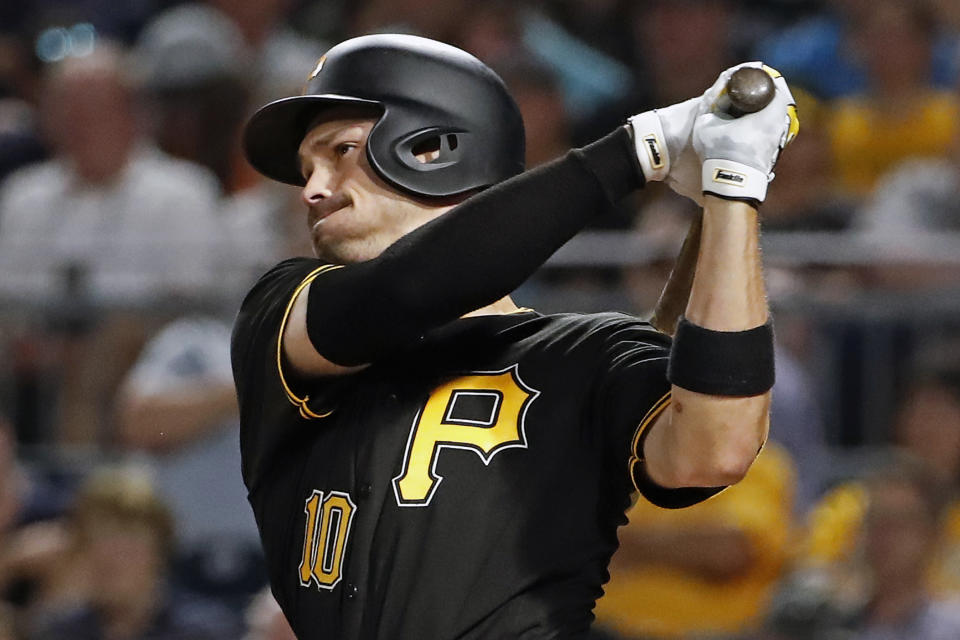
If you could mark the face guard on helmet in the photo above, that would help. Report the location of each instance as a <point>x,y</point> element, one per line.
<point>429,95</point>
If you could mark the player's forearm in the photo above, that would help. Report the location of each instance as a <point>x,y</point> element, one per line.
<point>728,291</point>
<point>469,257</point>
<point>711,440</point>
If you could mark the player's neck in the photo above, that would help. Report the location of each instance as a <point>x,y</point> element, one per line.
<point>500,307</point>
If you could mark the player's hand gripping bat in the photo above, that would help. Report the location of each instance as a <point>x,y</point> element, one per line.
<point>748,90</point>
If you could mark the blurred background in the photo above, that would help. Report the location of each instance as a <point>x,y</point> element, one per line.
<point>131,227</point>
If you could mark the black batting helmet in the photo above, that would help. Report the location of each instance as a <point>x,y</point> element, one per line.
<point>429,94</point>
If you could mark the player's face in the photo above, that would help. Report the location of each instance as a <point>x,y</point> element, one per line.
<point>353,215</point>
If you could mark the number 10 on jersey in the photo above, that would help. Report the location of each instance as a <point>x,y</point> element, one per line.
<point>329,517</point>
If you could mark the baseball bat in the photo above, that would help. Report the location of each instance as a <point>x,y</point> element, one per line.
<point>748,90</point>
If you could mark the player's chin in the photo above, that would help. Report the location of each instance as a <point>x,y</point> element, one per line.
<point>343,250</point>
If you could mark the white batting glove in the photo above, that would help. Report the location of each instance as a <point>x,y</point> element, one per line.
<point>662,140</point>
<point>738,154</point>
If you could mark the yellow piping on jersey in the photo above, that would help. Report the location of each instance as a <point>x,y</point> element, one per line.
<point>300,403</point>
<point>652,414</point>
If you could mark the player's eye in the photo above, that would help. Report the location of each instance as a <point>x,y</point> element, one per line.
<point>344,148</point>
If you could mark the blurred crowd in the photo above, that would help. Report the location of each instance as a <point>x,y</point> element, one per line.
<point>131,226</point>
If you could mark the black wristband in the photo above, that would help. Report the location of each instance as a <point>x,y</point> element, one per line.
<point>722,363</point>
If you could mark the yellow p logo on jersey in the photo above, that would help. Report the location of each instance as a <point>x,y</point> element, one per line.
<point>482,412</point>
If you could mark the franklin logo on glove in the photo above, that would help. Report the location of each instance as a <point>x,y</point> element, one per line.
<point>729,177</point>
<point>653,147</point>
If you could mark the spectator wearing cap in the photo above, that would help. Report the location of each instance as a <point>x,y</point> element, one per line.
<point>193,65</point>
<point>199,72</point>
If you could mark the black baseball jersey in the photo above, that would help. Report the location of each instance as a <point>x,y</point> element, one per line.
<point>468,487</point>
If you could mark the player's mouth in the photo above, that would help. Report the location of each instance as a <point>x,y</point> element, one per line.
<point>327,207</point>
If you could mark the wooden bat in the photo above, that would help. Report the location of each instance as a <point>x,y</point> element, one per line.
<point>748,90</point>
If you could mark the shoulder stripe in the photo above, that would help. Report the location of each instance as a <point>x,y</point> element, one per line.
<point>636,456</point>
<point>300,403</point>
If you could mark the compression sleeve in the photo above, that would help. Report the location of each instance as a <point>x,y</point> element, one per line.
<point>471,256</point>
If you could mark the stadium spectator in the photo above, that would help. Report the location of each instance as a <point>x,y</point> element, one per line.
<point>124,534</point>
<point>109,220</point>
<point>927,436</point>
<point>899,114</point>
<point>193,65</point>
<point>887,594</point>
<point>916,196</point>
<point>900,539</point>
<point>708,569</point>
<point>178,409</point>
<point>919,199</point>
<point>815,53</point>
<point>109,207</point>
<point>204,63</point>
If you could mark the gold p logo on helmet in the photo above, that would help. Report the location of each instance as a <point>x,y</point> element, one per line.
<point>317,69</point>
<point>313,74</point>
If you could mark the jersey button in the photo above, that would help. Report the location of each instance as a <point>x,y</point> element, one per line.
<point>364,491</point>
<point>352,591</point>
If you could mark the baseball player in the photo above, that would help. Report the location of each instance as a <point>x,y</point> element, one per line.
<point>425,459</point>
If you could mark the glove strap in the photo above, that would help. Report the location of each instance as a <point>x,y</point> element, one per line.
<point>651,145</point>
<point>733,180</point>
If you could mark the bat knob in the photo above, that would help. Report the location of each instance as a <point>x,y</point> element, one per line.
<point>749,90</point>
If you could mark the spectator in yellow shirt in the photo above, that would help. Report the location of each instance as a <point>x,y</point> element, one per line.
<point>709,568</point>
<point>901,115</point>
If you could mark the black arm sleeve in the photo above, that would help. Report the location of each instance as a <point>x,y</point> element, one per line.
<point>473,255</point>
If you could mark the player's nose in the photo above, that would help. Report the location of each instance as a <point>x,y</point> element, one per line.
<point>318,186</point>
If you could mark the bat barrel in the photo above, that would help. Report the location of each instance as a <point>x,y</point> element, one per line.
<point>749,90</point>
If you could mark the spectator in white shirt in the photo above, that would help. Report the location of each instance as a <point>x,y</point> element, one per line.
<point>109,206</point>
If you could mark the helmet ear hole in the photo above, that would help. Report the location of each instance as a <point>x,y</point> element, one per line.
<point>431,149</point>
<point>426,150</point>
